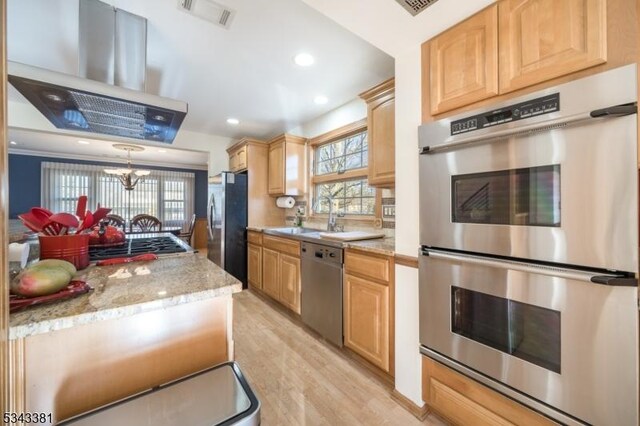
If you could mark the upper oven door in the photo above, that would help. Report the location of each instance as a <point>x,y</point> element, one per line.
<point>561,188</point>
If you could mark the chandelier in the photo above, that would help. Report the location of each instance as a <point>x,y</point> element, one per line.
<point>128,177</point>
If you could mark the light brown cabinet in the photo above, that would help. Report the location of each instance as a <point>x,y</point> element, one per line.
<point>287,165</point>
<point>544,39</point>
<point>381,115</point>
<point>511,45</point>
<point>238,157</point>
<point>281,271</point>
<point>270,272</point>
<point>464,401</point>
<point>369,307</point>
<point>366,319</point>
<point>290,282</point>
<point>464,62</point>
<point>254,265</point>
<point>252,156</point>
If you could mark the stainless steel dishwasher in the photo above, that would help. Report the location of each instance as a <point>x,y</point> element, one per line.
<point>321,299</point>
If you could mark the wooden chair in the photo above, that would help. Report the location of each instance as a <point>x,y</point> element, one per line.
<point>115,220</point>
<point>187,234</point>
<point>145,223</point>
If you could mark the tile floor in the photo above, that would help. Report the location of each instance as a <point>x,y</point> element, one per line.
<point>302,380</point>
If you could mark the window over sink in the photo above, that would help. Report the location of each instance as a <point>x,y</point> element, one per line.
<point>167,195</point>
<point>340,174</point>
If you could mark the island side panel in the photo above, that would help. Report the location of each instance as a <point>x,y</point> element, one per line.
<point>70,371</point>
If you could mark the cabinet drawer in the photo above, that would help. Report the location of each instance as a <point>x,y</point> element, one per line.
<point>367,265</point>
<point>463,401</point>
<point>254,237</point>
<point>282,245</point>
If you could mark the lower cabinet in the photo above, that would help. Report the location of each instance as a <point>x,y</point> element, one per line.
<point>290,282</point>
<point>254,265</point>
<point>366,319</point>
<point>368,303</point>
<point>270,272</point>
<point>464,401</point>
<point>280,270</point>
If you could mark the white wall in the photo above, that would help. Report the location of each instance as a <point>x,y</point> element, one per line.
<point>346,114</point>
<point>215,145</point>
<point>408,117</point>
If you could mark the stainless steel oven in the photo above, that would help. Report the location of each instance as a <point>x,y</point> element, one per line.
<point>529,235</point>
<point>551,176</point>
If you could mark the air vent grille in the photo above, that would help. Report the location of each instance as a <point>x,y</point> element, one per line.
<point>414,6</point>
<point>208,10</point>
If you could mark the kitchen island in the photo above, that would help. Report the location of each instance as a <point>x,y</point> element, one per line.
<point>143,324</point>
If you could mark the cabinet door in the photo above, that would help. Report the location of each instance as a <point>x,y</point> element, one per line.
<point>464,62</point>
<point>276,168</point>
<point>466,402</point>
<point>382,137</point>
<point>290,282</point>
<point>270,273</point>
<point>241,158</point>
<point>366,319</point>
<point>254,265</point>
<point>544,39</point>
<point>233,161</point>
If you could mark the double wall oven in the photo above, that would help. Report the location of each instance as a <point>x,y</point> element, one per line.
<point>529,239</point>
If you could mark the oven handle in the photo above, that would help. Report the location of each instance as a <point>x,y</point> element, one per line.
<point>553,271</point>
<point>610,112</point>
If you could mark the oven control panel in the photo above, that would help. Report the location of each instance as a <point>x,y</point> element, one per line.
<point>521,111</point>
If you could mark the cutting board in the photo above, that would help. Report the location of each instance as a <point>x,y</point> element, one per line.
<point>350,236</point>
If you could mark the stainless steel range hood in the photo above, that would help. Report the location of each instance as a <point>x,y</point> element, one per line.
<point>112,50</point>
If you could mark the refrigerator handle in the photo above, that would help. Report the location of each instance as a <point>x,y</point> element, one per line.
<point>211,215</point>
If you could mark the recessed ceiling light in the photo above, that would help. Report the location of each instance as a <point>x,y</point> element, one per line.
<point>233,121</point>
<point>13,142</point>
<point>320,100</point>
<point>84,143</point>
<point>162,150</point>
<point>304,59</point>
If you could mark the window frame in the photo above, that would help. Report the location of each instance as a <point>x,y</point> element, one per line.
<point>352,174</point>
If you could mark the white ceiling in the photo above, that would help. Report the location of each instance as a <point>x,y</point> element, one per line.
<point>385,24</point>
<point>245,72</point>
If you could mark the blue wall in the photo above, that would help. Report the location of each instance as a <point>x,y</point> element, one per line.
<point>25,173</point>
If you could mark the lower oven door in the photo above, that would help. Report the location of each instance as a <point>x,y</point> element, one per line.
<point>548,333</point>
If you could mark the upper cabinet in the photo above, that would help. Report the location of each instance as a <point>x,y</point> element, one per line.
<point>238,156</point>
<point>544,39</point>
<point>252,157</point>
<point>287,165</point>
<point>511,45</point>
<point>381,134</point>
<point>463,62</point>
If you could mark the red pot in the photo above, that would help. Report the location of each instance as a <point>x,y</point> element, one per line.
<point>72,248</point>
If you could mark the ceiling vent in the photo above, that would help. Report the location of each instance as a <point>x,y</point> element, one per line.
<point>412,6</point>
<point>209,10</point>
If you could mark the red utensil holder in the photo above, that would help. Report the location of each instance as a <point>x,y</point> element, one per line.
<point>72,248</point>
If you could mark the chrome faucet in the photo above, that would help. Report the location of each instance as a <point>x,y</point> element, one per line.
<point>331,220</point>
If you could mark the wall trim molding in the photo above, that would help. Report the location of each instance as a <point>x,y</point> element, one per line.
<point>420,413</point>
<point>36,153</point>
<point>408,261</point>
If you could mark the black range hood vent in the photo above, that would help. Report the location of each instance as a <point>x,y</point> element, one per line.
<point>80,104</point>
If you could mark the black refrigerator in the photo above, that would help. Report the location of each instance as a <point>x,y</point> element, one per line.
<point>227,223</point>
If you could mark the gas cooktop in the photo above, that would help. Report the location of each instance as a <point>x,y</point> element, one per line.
<point>160,244</point>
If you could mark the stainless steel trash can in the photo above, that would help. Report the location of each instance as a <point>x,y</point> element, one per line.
<point>216,396</point>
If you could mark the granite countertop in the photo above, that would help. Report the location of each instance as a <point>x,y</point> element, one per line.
<point>17,231</point>
<point>128,289</point>
<point>384,246</point>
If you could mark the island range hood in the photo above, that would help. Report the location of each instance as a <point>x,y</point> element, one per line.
<point>108,96</point>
